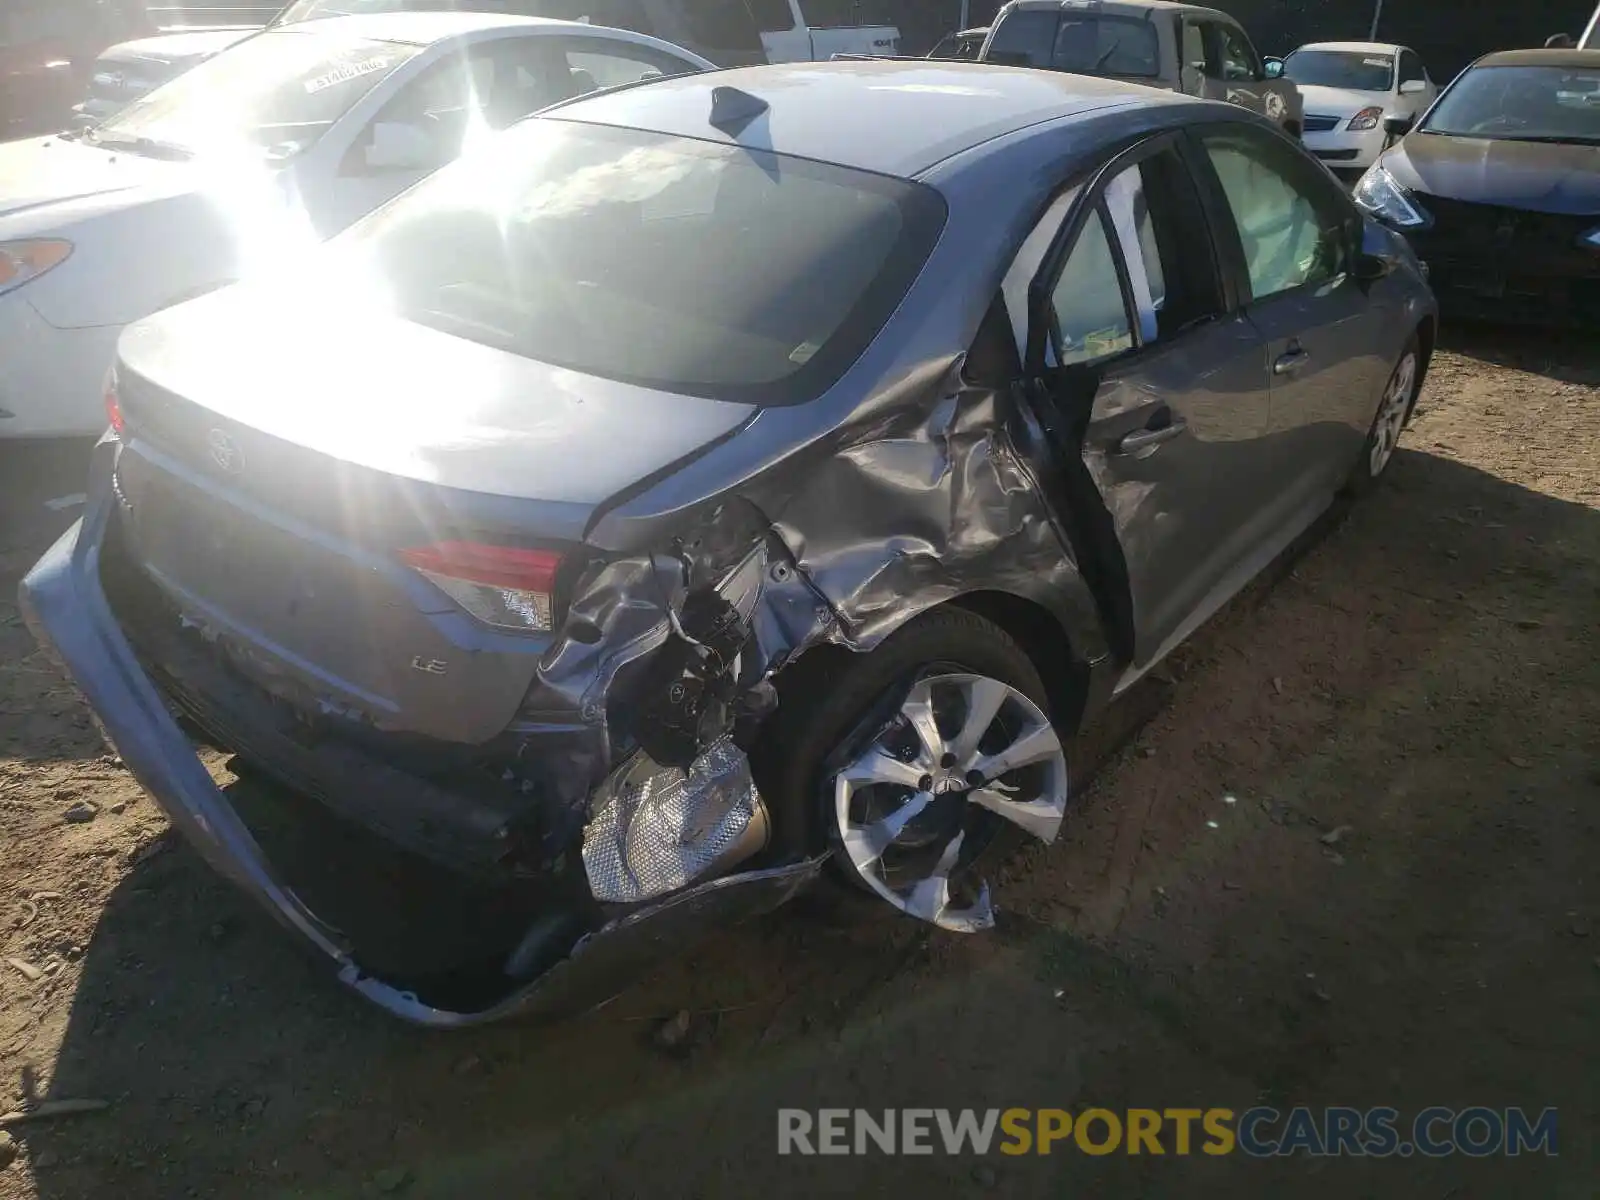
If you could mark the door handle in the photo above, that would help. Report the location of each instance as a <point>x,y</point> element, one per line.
<point>1148,439</point>
<point>1288,364</point>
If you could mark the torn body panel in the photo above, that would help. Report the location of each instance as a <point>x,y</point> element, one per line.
<point>66,606</point>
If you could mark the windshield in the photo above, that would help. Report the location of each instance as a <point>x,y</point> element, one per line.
<point>1353,70</point>
<point>275,93</point>
<point>676,264</point>
<point>1086,45</point>
<point>1540,104</point>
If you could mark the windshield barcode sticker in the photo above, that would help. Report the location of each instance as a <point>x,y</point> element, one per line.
<point>1377,62</point>
<point>345,73</point>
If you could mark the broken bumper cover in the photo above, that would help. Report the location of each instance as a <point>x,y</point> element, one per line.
<point>65,606</point>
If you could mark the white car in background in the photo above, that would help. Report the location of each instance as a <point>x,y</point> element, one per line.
<point>245,160</point>
<point>1350,89</point>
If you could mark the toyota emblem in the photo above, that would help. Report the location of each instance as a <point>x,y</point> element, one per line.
<point>225,451</point>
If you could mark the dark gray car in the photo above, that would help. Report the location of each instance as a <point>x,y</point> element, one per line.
<point>701,494</point>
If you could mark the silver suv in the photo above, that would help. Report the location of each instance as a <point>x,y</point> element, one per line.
<point>1197,51</point>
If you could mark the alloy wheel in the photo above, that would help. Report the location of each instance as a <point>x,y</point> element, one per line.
<point>1392,412</point>
<point>924,798</point>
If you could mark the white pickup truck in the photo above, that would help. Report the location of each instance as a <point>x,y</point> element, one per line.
<point>787,38</point>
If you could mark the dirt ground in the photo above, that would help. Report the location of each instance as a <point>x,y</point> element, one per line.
<point>1398,907</point>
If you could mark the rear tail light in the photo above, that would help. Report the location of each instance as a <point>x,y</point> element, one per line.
<point>114,405</point>
<point>503,586</point>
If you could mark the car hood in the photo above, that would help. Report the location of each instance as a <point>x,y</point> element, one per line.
<point>1539,176</point>
<point>1340,102</point>
<point>37,172</point>
<point>175,48</point>
<point>392,396</point>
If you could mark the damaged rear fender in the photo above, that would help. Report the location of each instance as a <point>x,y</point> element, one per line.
<point>674,654</point>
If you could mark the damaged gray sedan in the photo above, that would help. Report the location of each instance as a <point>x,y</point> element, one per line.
<point>722,487</point>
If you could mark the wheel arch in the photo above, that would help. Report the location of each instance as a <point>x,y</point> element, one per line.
<point>1044,636</point>
<point>1427,338</point>
<point>1045,640</point>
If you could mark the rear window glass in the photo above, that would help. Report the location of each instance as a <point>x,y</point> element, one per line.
<point>1083,44</point>
<point>688,266</point>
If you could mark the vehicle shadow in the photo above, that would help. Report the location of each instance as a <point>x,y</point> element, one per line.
<point>1168,950</point>
<point>1565,355</point>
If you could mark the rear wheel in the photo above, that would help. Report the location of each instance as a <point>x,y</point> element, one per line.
<point>916,764</point>
<point>1394,409</point>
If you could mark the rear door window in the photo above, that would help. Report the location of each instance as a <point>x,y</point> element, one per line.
<point>1089,312</point>
<point>1084,43</point>
<point>600,63</point>
<point>497,83</point>
<point>1156,213</point>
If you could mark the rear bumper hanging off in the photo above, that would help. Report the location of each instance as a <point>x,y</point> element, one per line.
<point>65,605</point>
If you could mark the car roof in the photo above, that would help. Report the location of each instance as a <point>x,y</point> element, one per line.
<point>1122,7</point>
<point>1584,59</point>
<point>1355,47</point>
<point>417,28</point>
<point>893,116</point>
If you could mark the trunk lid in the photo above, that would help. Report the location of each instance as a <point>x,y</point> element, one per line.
<point>277,461</point>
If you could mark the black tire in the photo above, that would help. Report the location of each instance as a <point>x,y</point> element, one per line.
<point>1366,471</point>
<point>828,694</point>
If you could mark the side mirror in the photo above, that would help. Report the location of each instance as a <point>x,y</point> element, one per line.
<point>1369,268</point>
<point>398,146</point>
<point>1413,87</point>
<point>1398,127</point>
<point>1273,68</point>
